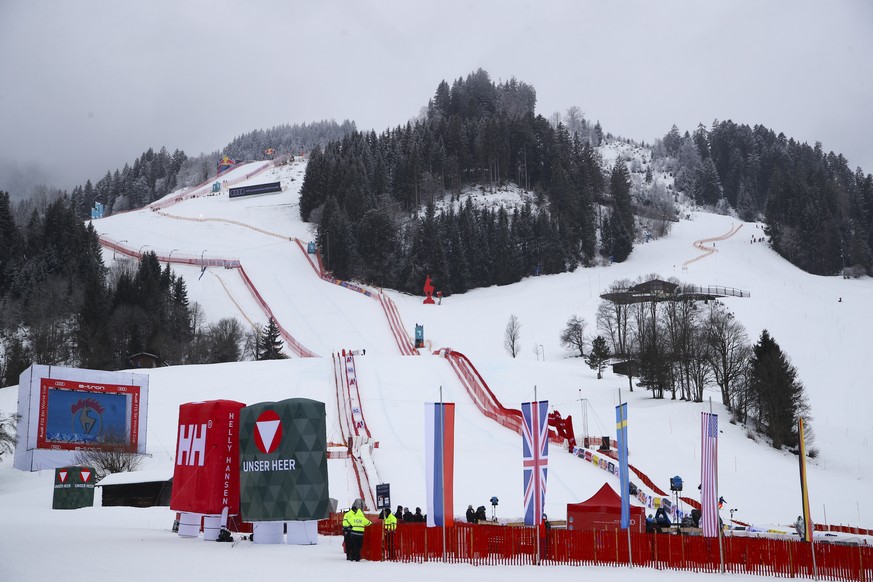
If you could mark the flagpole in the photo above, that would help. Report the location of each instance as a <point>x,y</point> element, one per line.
<point>536,475</point>
<point>630,560</point>
<point>443,468</point>
<point>807,517</point>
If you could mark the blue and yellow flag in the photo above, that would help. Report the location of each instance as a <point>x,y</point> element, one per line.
<point>621,437</point>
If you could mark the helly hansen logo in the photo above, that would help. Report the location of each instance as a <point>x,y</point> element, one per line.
<point>192,443</point>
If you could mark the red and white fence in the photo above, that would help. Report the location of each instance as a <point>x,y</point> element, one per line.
<point>489,544</point>
<point>483,397</point>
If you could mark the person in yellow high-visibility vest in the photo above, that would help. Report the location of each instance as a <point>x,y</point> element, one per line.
<point>389,526</point>
<point>354,522</point>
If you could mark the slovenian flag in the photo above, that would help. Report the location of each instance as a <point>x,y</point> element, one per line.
<point>439,436</point>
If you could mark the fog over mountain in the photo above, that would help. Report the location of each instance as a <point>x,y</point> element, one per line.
<point>106,81</point>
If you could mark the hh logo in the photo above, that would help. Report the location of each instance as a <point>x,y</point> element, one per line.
<point>192,443</point>
<point>268,431</point>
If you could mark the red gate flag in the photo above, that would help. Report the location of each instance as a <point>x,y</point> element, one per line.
<point>535,430</point>
<point>206,477</point>
<point>439,431</point>
<point>709,474</point>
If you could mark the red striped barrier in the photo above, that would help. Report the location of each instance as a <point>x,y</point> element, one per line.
<point>488,544</point>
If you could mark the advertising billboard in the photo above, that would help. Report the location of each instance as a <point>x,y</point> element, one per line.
<point>206,475</point>
<point>74,488</point>
<point>75,415</point>
<point>283,461</point>
<point>255,189</point>
<point>65,410</point>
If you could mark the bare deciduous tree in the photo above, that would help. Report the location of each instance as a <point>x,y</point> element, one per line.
<point>114,456</point>
<point>612,320</point>
<point>730,351</point>
<point>573,336</point>
<point>7,433</point>
<point>511,337</point>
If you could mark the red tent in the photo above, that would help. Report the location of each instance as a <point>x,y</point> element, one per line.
<point>603,512</point>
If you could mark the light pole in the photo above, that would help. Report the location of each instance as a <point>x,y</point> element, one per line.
<point>140,250</point>
<point>201,258</point>
<point>170,257</point>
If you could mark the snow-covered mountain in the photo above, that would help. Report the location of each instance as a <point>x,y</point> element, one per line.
<point>822,323</point>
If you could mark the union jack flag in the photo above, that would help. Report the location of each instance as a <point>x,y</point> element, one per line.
<point>535,430</point>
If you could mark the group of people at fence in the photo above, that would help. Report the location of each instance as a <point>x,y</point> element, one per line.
<point>404,515</point>
<point>476,515</point>
<point>661,522</point>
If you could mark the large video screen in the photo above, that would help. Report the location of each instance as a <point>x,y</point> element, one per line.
<point>78,415</point>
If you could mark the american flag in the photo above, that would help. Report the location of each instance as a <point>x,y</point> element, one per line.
<point>535,430</point>
<point>709,474</point>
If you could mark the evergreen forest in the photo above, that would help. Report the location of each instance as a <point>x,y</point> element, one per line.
<point>380,200</point>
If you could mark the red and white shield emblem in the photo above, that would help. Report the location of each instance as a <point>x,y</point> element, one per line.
<point>268,431</point>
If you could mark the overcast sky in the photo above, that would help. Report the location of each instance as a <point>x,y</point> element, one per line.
<point>87,85</point>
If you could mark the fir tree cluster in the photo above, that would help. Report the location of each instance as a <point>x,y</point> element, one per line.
<point>818,213</point>
<point>293,139</point>
<point>152,176</point>
<point>59,304</point>
<point>365,193</point>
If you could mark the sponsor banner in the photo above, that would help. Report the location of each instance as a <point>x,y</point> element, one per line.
<point>206,474</point>
<point>283,461</point>
<point>74,487</point>
<point>255,189</point>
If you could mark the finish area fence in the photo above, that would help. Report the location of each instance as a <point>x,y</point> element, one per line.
<point>489,544</point>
